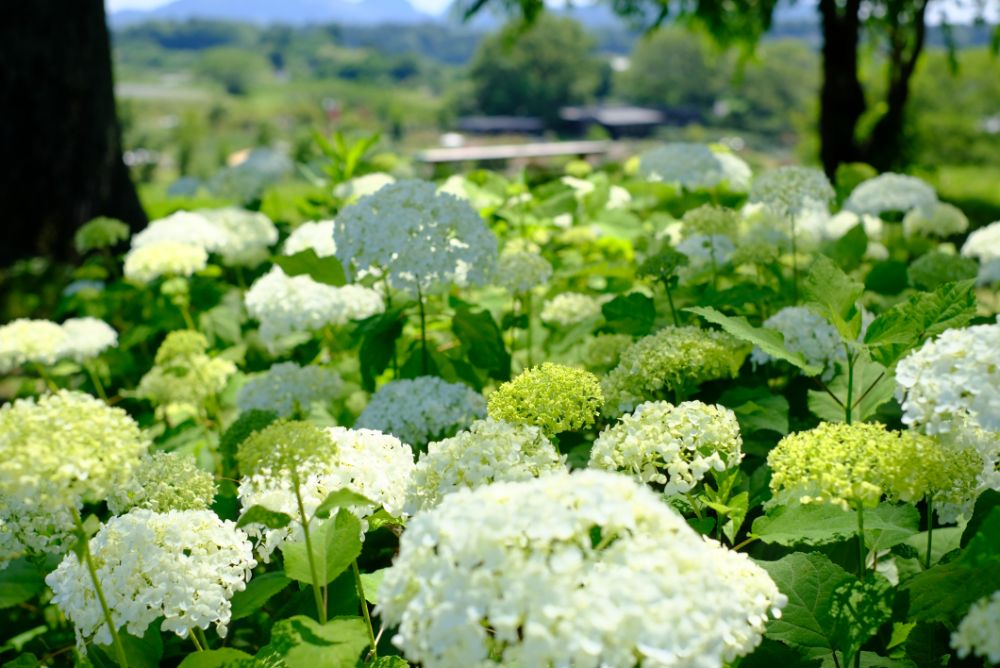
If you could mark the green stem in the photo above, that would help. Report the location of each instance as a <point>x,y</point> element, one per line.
<point>46,378</point>
<point>795,264</point>
<point>930,528</point>
<point>526,307</point>
<point>739,546</point>
<point>186,314</point>
<point>694,505</point>
<point>197,644</point>
<point>96,381</point>
<point>423,332</point>
<point>862,553</point>
<point>198,631</point>
<point>513,329</point>
<point>670,300</point>
<point>364,608</point>
<point>317,588</point>
<point>92,569</point>
<point>388,307</point>
<point>849,404</point>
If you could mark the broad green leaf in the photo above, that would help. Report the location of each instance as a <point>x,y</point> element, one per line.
<point>887,277</point>
<point>378,342</point>
<point>371,582</point>
<point>809,581</point>
<point>19,582</point>
<point>768,340</point>
<point>630,314</point>
<point>820,524</point>
<point>985,504</point>
<point>144,652</point>
<point>944,592</point>
<point>326,270</point>
<point>335,542</point>
<point>259,591</point>
<point>873,386</point>
<point>849,250</point>
<point>22,661</point>
<point>272,519</point>
<point>213,658</point>
<point>834,296</point>
<point>907,325</point>
<point>870,660</point>
<point>390,662</point>
<point>340,498</point>
<point>945,540</point>
<point>482,342</point>
<point>858,610</point>
<point>756,409</point>
<point>771,653</point>
<point>303,642</point>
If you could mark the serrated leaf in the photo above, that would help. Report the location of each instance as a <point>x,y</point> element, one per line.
<point>303,642</point>
<point>379,334</point>
<point>213,658</point>
<point>19,581</point>
<point>756,409</point>
<point>834,295</point>
<point>873,387</point>
<point>985,504</point>
<point>770,341</point>
<point>630,314</point>
<point>371,583</point>
<point>849,250</point>
<point>482,342</point>
<point>272,519</point>
<point>326,270</point>
<point>808,580</point>
<point>259,591</point>
<point>907,325</point>
<point>821,524</point>
<point>340,498</point>
<point>858,610</point>
<point>336,543</point>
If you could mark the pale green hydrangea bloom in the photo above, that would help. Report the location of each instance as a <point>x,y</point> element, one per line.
<point>984,245</point>
<point>100,233</point>
<point>791,191</point>
<point>977,632</point>
<point>670,446</point>
<point>710,220</point>
<point>521,271</point>
<point>182,565</point>
<point>965,435</point>
<point>287,387</point>
<point>695,167</point>
<point>570,308</point>
<point>940,220</point>
<point>552,397</point>
<point>584,569</point>
<point>165,258</point>
<point>25,341</point>
<point>249,235</point>
<point>923,466</point>
<point>56,453</point>
<point>489,451</point>
<point>185,227</point>
<point>891,192</point>
<point>164,481</point>
<point>674,359</point>
<point>602,353</point>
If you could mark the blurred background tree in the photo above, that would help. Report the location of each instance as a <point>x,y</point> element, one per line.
<point>60,142</point>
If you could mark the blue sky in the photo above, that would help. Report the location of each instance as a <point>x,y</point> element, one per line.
<point>114,5</point>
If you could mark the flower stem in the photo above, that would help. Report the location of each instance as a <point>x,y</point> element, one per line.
<point>795,264</point>
<point>96,381</point>
<point>92,569</point>
<point>317,588</point>
<point>862,553</point>
<point>930,528</point>
<point>46,378</point>
<point>526,308</point>
<point>364,608</point>
<point>849,404</point>
<point>423,332</point>
<point>670,300</point>
<point>197,644</point>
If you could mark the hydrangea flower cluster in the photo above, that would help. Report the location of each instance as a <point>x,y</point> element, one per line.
<point>182,565</point>
<point>552,397</point>
<point>27,341</point>
<point>891,192</point>
<point>589,569</point>
<point>806,333</point>
<point>710,220</point>
<point>249,235</point>
<point>422,409</point>
<point>933,269</point>
<point>184,377</point>
<point>791,191</point>
<point>162,482</point>
<point>317,235</point>
<point>977,632</point>
<point>101,232</point>
<point>147,263</point>
<point>570,308</point>
<point>984,245</point>
<point>286,305</point>
<point>702,251</point>
<point>672,359</point>
<point>940,220</point>
<point>965,435</point>
<point>521,271</point>
<point>185,227</point>
<point>425,241</point>
<point>56,453</point>
<point>602,353</point>
<point>287,388</point>
<point>670,446</point>
<point>489,451</point>
<point>953,375</point>
<point>362,186</point>
<point>695,167</point>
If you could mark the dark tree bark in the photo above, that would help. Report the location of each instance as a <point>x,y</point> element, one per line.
<point>60,142</point>
<point>842,99</point>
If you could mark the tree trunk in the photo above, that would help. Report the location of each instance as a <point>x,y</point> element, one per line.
<point>842,100</point>
<point>60,143</point>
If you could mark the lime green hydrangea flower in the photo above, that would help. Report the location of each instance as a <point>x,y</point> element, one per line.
<point>162,482</point>
<point>552,397</point>
<point>603,352</point>
<point>100,233</point>
<point>283,448</point>
<point>834,463</point>
<point>674,359</point>
<point>672,446</point>
<point>710,220</point>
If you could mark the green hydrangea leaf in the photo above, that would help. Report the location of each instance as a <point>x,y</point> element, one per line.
<point>630,314</point>
<point>213,658</point>
<point>336,543</point>
<point>821,524</point>
<point>482,341</point>
<point>19,582</point>
<point>327,270</point>
<point>757,409</point>
<point>340,498</point>
<point>873,387</point>
<point>834,296</point>
<point>259,591</point>
<point>302,642</point>
<point>858,610</point>
<point>272,519</point>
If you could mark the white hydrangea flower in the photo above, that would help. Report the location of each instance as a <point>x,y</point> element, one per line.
<point>953,375</point>
<point>362,186</point>
<point>376,465</point>
<point>287,387</point>
<point>806,333</point>
<point>984,245</point>
<point>700,250</point>
<point>182,565</point>
<point>423,239</point>
<point>422,409</point>
<point>570,308</point>
<point>672,446</point>
<point>585,569</point>
<point>940,220</point>
<point>186,227</point>
<point>521,271</point>
<point>963,434</point>
<point>792,191</point>
<point>489,451</point>
<point>977,632</point>
<point>86,338</point>
<point>25,341</point>
<point>287,305</point>
<point>695,167</point>
<point>836,226</point>
<point>891,192</point>
<point>317,235</point>
<point>164,258</point>
<point>249,235</point>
